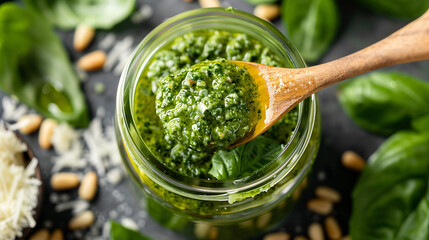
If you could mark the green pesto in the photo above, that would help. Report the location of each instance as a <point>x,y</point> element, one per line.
<point>185,51</point>
<point>208,106</point>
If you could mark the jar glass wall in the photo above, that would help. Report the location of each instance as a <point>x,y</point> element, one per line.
<point>215,209</point>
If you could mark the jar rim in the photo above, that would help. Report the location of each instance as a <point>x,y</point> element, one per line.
<point>193,187</point>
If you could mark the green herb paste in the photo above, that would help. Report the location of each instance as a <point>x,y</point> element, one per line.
<point>179,55</point>
<point>208,106</point>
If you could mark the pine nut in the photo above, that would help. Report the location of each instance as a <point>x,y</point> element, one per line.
<point>42,234</point>
<point>82,221</point>
<point>328,193</point>
<point>64,181</point>
<point>267,11</point>
<point>332,227</point>
<point>277,236</point>
<point>353,161</point>
<point>209,3</point>
<point>29,123</point>
<point>263,220</point>
<point>346,238</point>
<point>320,206</point>
<point>83,36</point>
<point>315,232</point>
<point>202,230</point>
<point>300,238</point>
<point>45,134</point>
<point>88,187</point>
<point>57,234</point>
<point>92,61</point>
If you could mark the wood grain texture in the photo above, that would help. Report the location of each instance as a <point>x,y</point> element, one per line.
<point>281,89</point>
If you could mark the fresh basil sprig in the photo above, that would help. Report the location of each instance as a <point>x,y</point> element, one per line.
<point>244,159</point>
<point>34,67</point>
<point>397,8</point>
<point>391,199</point>
<point>119,232</point>
<point>68,14</point>
<point>311,25</point>
<point>385,102</point>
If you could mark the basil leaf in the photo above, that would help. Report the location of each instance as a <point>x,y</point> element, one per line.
<point>385,102</point>
<point>397,8</point>
<point>311,25</point>
<point>258,2</point>
<point>95,13</point>
<point>35,68</point>
<point>119,232</point>
<point>421,124</point>
<point>391,199</point>
<point>244,159</point>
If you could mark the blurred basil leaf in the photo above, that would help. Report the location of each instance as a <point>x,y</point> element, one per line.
<point>119,232</point>
<point>397,8</point>
<point>35,68</point>
<point>421,124</point>
<point>391,198</point>
<point>244,159</point>
<point>385,102</point>
<point>66,14</point>
<point>311,25</point>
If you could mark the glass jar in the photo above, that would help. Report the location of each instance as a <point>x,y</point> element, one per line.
<point>227,209</point>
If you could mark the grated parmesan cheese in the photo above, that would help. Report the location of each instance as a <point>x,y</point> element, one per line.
<point>12,109</point>
<point>18,187</point>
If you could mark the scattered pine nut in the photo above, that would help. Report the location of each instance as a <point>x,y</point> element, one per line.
<point>64,181</point>
<point>92,61</point>
<point>82,220</point>
<point>277,236</point>
<point>315,231</point>
<point>320,206</point>
<point>263,220</point>
<point>209,3</point>
<point>45,134</point>
<point>300,238</point>
<point>353,161</point>
<point>83,36</point>
<point>267,11</point>
<point>328,193</point>
<point>42,234</point>
<point>57,234</point>
<point>88,187</point>
<point>332,228</point>
<point>346,238</point>
<point>29,123</point>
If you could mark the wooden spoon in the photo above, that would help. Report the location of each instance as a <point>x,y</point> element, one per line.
<point>281,89</point>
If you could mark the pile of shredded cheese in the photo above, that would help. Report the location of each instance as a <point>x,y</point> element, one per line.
<point>18,187</point>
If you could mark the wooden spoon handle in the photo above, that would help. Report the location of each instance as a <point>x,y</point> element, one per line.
<point>409,44</point>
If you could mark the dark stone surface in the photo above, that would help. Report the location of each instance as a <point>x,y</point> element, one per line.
<point>359,28</point>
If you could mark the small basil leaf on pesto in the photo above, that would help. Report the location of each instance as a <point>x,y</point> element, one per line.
<point>391,198</point>
<point>69,14</point>
<point>34,67</point>
<point>119,232</point>
<point>208,106</point>
<point>245,159</point>
<point>311,25</point>
<point>385,102</point>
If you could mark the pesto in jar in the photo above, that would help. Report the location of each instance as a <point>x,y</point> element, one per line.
<point>208,106</point>
<point>183,52</point>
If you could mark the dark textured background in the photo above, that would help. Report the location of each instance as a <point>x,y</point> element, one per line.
<point>359,28</point>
